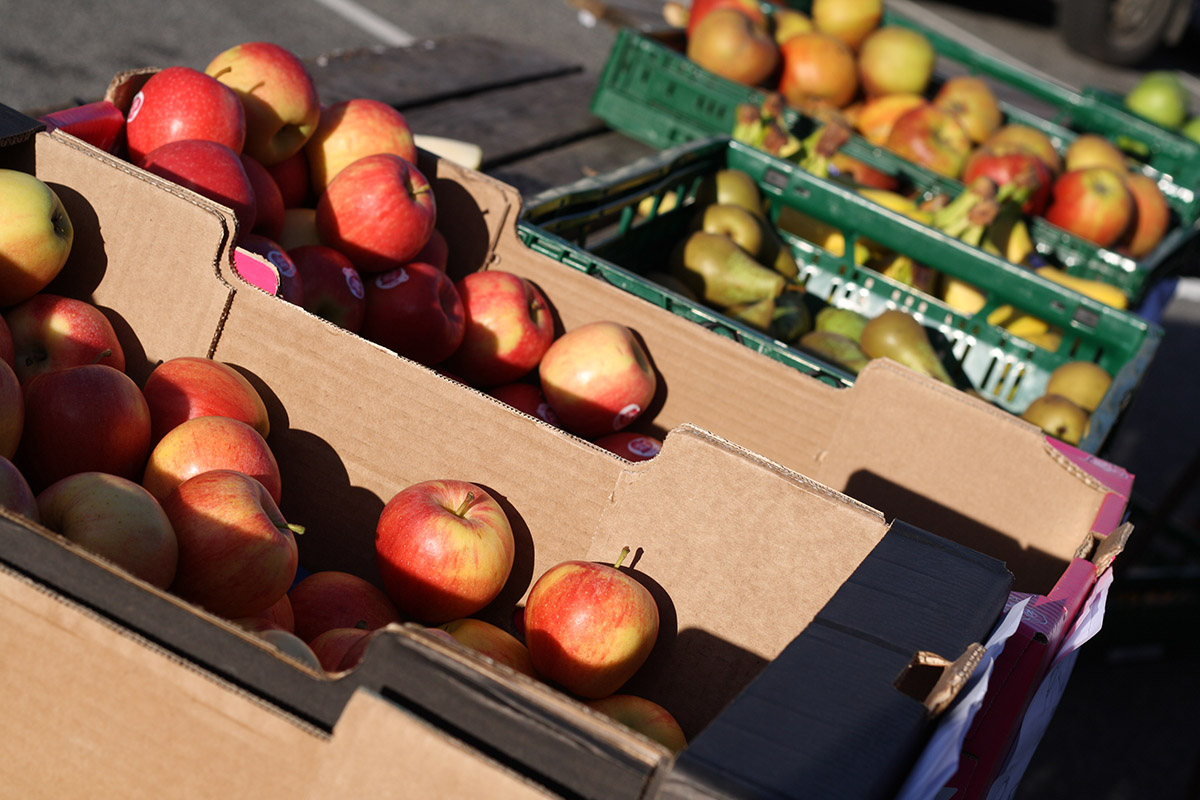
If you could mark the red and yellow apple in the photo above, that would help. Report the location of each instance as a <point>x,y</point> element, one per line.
<point>644,716</point>
<point>817,69</point>
<point>849,20</point>
<point>895,59</point>
<point>329,599</point>
<point>1093,150</point>
<point>210,169</point>
<point>186,387</point>
<point>291,176</point>
<point>268,200</point>
<point>932,137</point>
<point>202,444</point>
<point>492,641</point>
<point>971,100</point>
<point>415,311</point>
<point>180,103</point>
<point>1025,137</point>
<point>1015,166</point>
<point>339,649</point>
<point>1152,217</point>
<point>1092,203</point>
<point>332,288</point>
<point>877,115</point>
<point>12,411</point>
<point>15,492</point>
<point>352,129</point>
<point>731,43</point>
<point>52,332</point>
<point>35,239</point>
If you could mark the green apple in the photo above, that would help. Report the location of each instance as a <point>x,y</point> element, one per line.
<point>1159,97</point>
<point>35,238</point>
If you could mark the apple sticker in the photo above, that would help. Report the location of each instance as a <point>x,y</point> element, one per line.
<point>354,281</point>
<point>626,415</point>
<point>390,280</point>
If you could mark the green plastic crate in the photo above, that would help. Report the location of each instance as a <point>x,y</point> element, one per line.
<point>652,92</point>
<point>594,226</point>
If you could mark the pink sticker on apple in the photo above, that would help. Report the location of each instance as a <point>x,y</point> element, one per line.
<point>354,281</point>
<point>135,106</point>
<point>282,263</point>
<point>390,280</point>
<point>644,447</point>
<point>626,415</point>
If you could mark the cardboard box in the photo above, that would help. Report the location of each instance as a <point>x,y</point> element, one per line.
<point>352,423</point>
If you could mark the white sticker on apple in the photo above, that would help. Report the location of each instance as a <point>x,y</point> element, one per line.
<point>354,281</point>
<point>390,280</point>
<point>282,263</point>
<point>641,446</point>
<point>626,415</point>
<point>135,106</point>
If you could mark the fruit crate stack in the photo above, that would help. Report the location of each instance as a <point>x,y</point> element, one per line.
<point>629,228</point>
<point>651,90</point>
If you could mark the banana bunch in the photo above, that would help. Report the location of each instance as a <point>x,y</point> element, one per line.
<point>762,126</point>
<point>990,218</point>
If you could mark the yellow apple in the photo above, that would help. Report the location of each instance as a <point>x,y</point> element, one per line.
<point>35,238</point>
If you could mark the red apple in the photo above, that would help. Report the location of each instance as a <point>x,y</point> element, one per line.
<point>699,9</point>
<point>631,446</point>
<point>268,200</point>
<point>597,378</point>
<point>210,169</point>
<point>299,228</point>
<point>185,387</point>
<point>8,353</point>
<point>379,211</point>
<point>436,251</point>
<point>333,599</point>
<point>35,239</point>
<point>51,332</point>
<point>90,418</point>
<point>728,42</point>
<point>1091,203</point>
<point>1025,137</point>
<point>353,129</point>
<point>931,137</point>
<point>116,519</point>
<point>817,68</point>
<point>1152,217</point>
<point>180,103</point>
<point>863,173</point>
<point>100,123</point>
<point>1093,150</point>
<point>509,327</point>
<point>202,444</point>
<point>337,646</point>
<point>291,176</point>
<point>333,288</point>
<point>527,397</point>
<point>444,548</point>
<point>278,616</point>
<point>15,493</point>
<point>291,288</point>
<point>237,554</point>
<point>415,311</point>
<point>12,411</point>
<point>492,641</point>
<point>895,59</point>
<point>644,716</point>
<point>848,20</point>
<point>970,98</point>
<point>1015,166</point>
<point>589,627</point>
<point>277,94</point>
<point>877,115</point>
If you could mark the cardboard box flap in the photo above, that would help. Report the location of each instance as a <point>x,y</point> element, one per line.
<point>926,475</point>
<point>16,127</point>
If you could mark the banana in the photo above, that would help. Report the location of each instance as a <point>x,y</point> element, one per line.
<point>1097,290</point>
<point>819,233</point>
<point>898,203</point>
<point>1008,236</point>
<point>962,296</point>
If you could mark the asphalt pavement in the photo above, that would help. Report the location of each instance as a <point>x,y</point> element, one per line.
<point>1124,726</point>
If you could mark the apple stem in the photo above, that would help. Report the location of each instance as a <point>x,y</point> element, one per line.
<point>103,354</point>
<point>297,529</point>
<point>218,75</point>
<point>620,558</point>
<point>466,504</point>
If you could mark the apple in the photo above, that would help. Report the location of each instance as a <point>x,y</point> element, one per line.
<point>51,332</point>
<point>817,69</point>
<point>729,42</point>
<point>186,387</point>
<point>278,97</point>
<point>378,211</point>
<point>268,200</point>
<point>631,446</point>
<point>1093,150</point>
<point>589,627</point>
<point>8,352</point>
<point>931,137</point>
<point>1015,165</point>
<point>414,310</point>
<point>863,173</point>
<point>115,518</point>
<point>210,169</point>
<point>330,599</point>
<point>179,103</point>
<point>291,288</point>
<point>1092,203</point>
<point>291,176</point>
<point>289,644</point>
<point>15,492</point>
<point>12,411</point>
<point>492,641</point>
<point>526,397</point>
<point>699,9</point>
<point>787,22</point>
<point>100,123</point>
<point>597,378</point>
<point>89,418</point>
<point>508,328</point>
<point>436,251</point>
<point>1160,97</point>
<point>444,548</point>
<point>848,20</point>
<point>1152,217</point>
<point>237,554</point>
<point>896,59</point>
<point>970,98</point>
<point>352,129</point>
<point>278,616</point>
<point>339,646</point>
<point>209,443</point>
<point>644,716</point>
<point>35,239</point>
<point>1017,136</point>
<point>299,228</point>
<point>333,288</point>
<point>877,115</point>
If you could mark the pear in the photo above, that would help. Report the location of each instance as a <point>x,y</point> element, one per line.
<point>897,335</point>
<point>722,274</point>
<point>1059,417</point>
<point>835,348</point>
<point>757,314</point>
<point>846,321</point>
<point>792,318</point>
<point>737,187</point>
<point>1082,382</point>
<point>735,222</point>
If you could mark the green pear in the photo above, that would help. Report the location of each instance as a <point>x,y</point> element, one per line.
<point>1159,97</point>
<point>722,274</point>
<point>736,187</point>
<point>757,314</point>
<point>735,222</point>
<point>897,335</point>
<point>846,321</point>
<point>834,348</point>
<point>792,318</point>
<point>1059,417</point>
